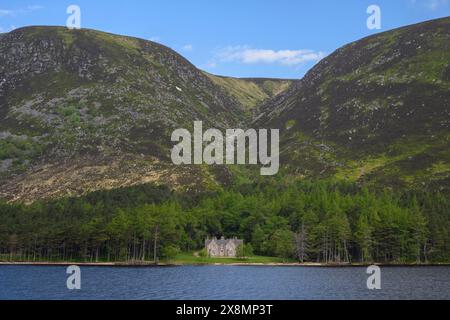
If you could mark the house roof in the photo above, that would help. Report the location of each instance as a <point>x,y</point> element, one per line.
<point>223,242</point>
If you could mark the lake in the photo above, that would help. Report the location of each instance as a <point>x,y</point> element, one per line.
<point>224,282</point>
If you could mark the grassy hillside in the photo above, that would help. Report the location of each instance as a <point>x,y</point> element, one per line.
<point>376,111</point>
<point>85,124</point>
<point>83,110</point>
<point>251,92</point>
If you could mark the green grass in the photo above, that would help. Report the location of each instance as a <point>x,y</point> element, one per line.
<point>248,92</point>
<point>181,258</point>
<point>190,258</point>
<point>408,159</point>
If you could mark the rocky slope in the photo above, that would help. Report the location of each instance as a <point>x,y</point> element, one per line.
<point>84,110</point>
<point>251,93</point>
<point>376,110</point>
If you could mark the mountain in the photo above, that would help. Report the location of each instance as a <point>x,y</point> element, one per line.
<point>375,111</point>
<point>83,110</point>
<point>252,92</point>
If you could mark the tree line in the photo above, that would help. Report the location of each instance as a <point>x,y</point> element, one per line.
<point>319,221</point>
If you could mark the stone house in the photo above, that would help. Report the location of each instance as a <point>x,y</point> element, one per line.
<point>222,247</point>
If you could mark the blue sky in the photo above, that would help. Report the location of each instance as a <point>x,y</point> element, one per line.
<point>246,38</point>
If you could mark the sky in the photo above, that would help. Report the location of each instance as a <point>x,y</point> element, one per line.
<point>245,38</point>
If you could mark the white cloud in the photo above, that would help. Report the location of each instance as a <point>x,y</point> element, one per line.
<point>13,13</point>
<point>11,28</point>
<point>155,39</point>
<point>247,55</point>
<point>435,4</point>
<point>4,12</point>
<point>34,7</point>
<point>211,64</point>
<point>432,5</point>
<point>187,47</point>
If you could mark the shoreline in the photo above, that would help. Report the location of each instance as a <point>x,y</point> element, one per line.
<point>239,264</point>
